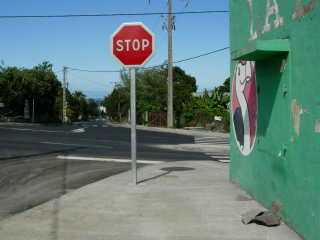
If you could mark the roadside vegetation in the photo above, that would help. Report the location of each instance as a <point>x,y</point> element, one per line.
<point>38,88</point>
<point>208,109</point>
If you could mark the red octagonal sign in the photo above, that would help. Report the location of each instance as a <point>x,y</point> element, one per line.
<point>132,44</point>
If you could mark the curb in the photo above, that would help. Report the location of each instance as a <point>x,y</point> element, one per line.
<point>188,132</point>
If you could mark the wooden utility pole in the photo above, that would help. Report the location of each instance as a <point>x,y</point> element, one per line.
<point>119,100</point>
<point>170,66</point>
<point>169,27</point>
<point>64,99</point>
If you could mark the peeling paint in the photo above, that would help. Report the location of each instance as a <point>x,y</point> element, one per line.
<point>276,207</point>
<point>317,126</point>
<point>273,19</point>
<point>303,9</point>
<point>284,64</point>
<point>296,111</point>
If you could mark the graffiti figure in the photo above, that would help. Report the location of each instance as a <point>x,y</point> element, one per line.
<point>244,105</point>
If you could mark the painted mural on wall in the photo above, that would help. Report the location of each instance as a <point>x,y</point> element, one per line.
<point>244,105</point>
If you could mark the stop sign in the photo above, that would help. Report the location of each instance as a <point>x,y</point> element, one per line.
<point>132,44</point>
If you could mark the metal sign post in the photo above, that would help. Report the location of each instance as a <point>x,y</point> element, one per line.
<point>133,44</point>
<point>133,125</point>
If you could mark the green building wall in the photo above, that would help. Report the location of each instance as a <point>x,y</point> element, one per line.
<point>281,169</point>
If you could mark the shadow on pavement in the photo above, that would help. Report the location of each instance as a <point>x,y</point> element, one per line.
<point>26,156</point>
<point>167,170</point>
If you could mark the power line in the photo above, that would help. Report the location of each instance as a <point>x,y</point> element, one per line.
<point>112,14</point>
<point>201,55</point>
<point>151,67</point>
<point>93,71</point>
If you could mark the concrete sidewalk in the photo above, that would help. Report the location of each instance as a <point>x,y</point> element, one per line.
<point>178,200</point>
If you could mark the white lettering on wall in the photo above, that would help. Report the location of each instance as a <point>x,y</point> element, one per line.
<point>253,31</point>
<point>272,10</point>
<point>302,8</point>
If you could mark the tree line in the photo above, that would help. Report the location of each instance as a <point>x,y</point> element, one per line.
<point>21,88</point>
<point>38,88</point>
<point>190,109</point>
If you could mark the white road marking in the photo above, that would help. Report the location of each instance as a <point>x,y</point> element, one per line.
<point>76,145</point>
<point>106,159</point>
<point>32,130</point>
<point>212,141</point>
<point>217,156</point>
<point>78,130</point>
<point>203,138</point>
<point>224,161</point>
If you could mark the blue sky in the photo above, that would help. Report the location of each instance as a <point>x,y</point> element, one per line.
<point>84,42</point>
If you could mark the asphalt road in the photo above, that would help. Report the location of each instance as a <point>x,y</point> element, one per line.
<point>39,163</point>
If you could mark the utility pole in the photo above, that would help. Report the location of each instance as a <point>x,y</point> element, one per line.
<point>170,66</point>
<point>170,26</point>
<point>119,106</point>
<point>64,100</point>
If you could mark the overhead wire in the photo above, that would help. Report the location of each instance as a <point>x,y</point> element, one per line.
<point>201,55</point>
<point>93,71</point>
<point>119,15</point>
<point>151,67</point>
<point>111,14</point>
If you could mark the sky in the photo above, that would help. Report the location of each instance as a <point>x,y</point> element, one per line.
<point>85,42</point>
